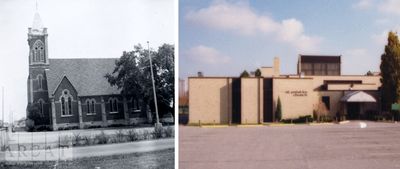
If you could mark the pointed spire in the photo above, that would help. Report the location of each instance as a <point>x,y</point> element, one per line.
<point>37,23</point>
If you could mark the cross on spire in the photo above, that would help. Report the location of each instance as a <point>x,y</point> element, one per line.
<point>36,6</point>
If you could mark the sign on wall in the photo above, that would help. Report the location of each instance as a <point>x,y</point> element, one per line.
<point>296,92</point>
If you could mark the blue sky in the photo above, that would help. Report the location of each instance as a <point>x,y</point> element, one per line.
<point>224,37</point>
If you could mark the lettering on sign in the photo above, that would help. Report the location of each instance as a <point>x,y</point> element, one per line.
<point>297,92</point>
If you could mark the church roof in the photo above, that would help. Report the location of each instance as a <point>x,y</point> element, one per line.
<point>86,75</point>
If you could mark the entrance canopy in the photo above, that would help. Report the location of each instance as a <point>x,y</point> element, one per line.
<point>357,96</point>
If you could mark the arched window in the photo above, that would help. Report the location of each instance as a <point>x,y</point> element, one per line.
<point>38,51</point>
<point>63,112</point>
<point>41,107</point>
<point>66,103</point>
<point>88,106</point>
<point>40,81</point>
<point>113,104</point>
<point>135,104</point>
<point>91,108</point>
<point>69,105</point>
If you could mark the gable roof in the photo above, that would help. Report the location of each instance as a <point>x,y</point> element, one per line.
<point>86,75</point>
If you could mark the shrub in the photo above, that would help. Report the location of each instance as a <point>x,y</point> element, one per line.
<point>87,140</point>
<point>102,138</point>
<point>64,141</point>
<point>147,134</point>
<point>278,113</point>
<point>119,136</point>
<point>158,132</point>
<point>169,131</point>
<point>77,139</point>
<point>133,135</point>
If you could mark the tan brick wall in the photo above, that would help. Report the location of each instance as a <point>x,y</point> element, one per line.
<point>250,110</point>
<point>334,101</point>
<point>267,71</point>
<point>209,100</point>
<point>293,106</point>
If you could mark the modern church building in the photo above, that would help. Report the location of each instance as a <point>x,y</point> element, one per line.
<point>253,100</point>
<point>73,93</point>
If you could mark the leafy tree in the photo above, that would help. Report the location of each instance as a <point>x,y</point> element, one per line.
<point>278,112</point>
<point>390,72</point>
<point>257,73</point>
<point>369,73</point>
<point>34,116</point>
<point>245,74</point>
<point>132,74</point>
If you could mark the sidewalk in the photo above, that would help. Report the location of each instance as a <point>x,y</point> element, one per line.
<point>72,153</point>
<point>123,148</point>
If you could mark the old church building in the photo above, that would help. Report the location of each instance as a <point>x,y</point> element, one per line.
<point>73,93</point>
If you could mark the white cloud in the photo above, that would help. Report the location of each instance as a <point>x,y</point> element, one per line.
<point>390,7</point>
<point>363,4</point>
<point>207,55</point>
<point>241,19</point>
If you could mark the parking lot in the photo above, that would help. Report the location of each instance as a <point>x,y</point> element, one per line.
<point>344,146</point>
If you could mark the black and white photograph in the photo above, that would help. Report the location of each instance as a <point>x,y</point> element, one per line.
<point>87,84</point>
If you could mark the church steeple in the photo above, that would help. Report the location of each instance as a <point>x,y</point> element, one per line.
<point>37,25</point>
<point>37,40</point>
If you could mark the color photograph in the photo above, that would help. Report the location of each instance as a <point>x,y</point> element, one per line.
<point>289,84</point>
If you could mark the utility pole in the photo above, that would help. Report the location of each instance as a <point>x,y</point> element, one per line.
<point>2,106</point>
<point>154,87</point>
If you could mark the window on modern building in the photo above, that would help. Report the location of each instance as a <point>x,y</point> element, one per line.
<point>326,101</point>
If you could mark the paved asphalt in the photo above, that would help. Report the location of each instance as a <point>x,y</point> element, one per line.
<point>344,146</point>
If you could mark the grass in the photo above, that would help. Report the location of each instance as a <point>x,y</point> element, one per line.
<point>156,159</point>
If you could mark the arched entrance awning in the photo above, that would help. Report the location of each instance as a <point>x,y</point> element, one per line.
<point>357,96</point>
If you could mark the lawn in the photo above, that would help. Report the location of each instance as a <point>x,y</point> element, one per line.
<point>156,159</point>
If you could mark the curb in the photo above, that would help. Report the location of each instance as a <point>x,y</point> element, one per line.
<point>213,126</point>
<point>279,124</point>
<point>344,122</point>
<point>320,124</point>
<point>249,125</point>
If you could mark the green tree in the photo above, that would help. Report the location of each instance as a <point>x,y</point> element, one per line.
<point>33,116</point>
<point>390,72</point>
<point>132,75</point>
<point>278,112</point>
<point>245,74</point>
<point>369,73</point>
<point>257,73</point>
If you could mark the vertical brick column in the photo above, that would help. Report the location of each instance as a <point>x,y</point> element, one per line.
<point>103,113</point>
<point>53,115</point>
<point>80,114</point>
<point>126,115</point>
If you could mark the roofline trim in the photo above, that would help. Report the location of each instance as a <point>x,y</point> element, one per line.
<point>64,76</point>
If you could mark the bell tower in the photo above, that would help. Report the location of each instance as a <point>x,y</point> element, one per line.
<point>37,40</point>
<point>38,65</point>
